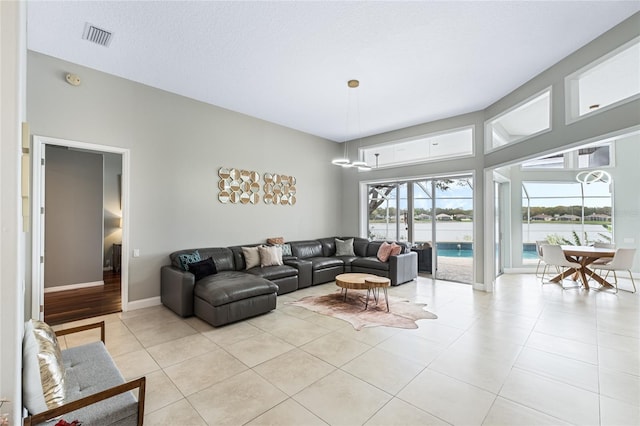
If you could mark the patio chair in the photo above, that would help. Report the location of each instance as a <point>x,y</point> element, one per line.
<point>539,244</point>
<point>622,261</point>
<point>602,260</point>
<point>552,255</point>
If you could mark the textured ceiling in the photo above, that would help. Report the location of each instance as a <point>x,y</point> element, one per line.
<point>288,62</point>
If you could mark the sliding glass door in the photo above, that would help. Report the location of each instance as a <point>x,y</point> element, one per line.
<point>429,213</point>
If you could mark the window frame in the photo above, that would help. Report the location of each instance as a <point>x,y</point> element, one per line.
<point>571,160</point>
<point>571,89</point>
<point>488,134</point>
<point>472,127</point>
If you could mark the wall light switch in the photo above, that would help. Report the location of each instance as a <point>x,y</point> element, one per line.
<point>629,240</point>
<point>136,252</point>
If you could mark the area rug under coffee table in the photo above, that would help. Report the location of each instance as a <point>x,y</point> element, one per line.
<point>403,313</point>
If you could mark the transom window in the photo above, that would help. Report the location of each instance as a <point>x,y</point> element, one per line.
<point>598,155</point>
<point>438,146</point>
<point>521,122</point>
<point>608,81</point>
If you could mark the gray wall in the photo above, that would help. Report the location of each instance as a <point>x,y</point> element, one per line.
<point>177,145</point>
<point>112,206</point>
<point>73,217</point>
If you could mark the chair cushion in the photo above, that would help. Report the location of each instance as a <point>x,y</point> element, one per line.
<point>43,369</point>
<point>370,263</point>
<point>274,272</point>
<point>325,262</point>
<point>306,249</point>
<point>90,369</point>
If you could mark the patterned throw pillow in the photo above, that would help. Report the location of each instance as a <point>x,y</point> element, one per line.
<point>187,258</point>
<point>42,368</point>
<point>202,269</point>
<point>275,241</point>
<point>344,248</point>
<point>286,249</point>
<point>384,251</point>
<point>251,257</point>
<point>270,255</point>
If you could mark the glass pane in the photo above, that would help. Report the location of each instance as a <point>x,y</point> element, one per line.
<point>521,122</point>
<point>553,189</point>
<point>597,189</point>
<point>610,81</point>
<point>454,229</point>
<point>560,217</point>
<point>597,156</point>
<point>430,147</point>
<point>550,162</point>
<point>382,212</point>
<point>422,212</point>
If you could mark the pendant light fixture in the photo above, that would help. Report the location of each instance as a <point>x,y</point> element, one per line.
<point>344,161</point>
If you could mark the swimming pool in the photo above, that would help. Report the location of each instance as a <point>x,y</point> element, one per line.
<point>469,253</point>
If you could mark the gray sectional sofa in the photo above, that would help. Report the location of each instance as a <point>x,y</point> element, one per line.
<point>235,293</point>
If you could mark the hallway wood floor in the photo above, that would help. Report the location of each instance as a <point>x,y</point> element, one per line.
<point>72,305</point>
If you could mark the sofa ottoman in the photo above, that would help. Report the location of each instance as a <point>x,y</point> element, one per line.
<point>230,296</point>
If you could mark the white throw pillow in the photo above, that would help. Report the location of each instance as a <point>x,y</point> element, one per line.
<point>270,256</point>
<point>42,368</point>
<point>251,257</point>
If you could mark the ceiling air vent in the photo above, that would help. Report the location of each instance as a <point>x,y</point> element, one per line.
<point>96,35</point>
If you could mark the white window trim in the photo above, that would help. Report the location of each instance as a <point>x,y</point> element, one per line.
<point>488,139</point>
<point>424,136</point>
<point>570,164</point>
<point>571,101</point>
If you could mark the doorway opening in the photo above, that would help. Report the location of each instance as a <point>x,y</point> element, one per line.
<point>80,211</point>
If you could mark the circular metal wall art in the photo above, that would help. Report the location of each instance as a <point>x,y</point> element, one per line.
<point>238,186</point>
<point>279,189</point>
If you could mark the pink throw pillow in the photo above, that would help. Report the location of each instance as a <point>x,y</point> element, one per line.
<point>395,249</point>
<point>384,251</point>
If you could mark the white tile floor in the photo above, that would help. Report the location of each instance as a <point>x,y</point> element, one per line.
<point>524,355</point>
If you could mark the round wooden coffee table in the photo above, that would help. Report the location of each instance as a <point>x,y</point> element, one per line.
<point>369,282</point>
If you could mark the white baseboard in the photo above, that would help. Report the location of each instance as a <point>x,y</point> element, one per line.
<point>520,270</point>
<point>143,303</point>
<point>72,286</point>
<point>479,286</point>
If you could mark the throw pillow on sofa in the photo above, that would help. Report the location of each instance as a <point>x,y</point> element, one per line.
<point>251,257</point>
<point>286,249</point>
<point>270,255</point>
<point>344,248</point>
<point>187,258</point>
<point>43,368</point>
<point>384,251</point>
<point>202,269</point>
<point>395,249</point>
